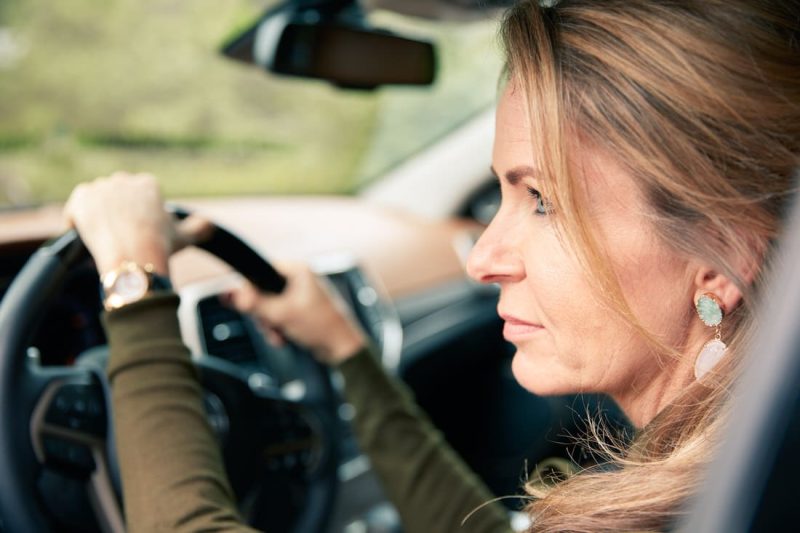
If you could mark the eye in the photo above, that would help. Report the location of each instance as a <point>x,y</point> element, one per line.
<point>543,207</point>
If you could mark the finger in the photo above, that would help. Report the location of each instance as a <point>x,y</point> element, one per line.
<point>274,337</point>
<point>192,230</point>
<point>74,199</point>
<point>117,175</point>
<point>243,298</point>
<point>272,309</point>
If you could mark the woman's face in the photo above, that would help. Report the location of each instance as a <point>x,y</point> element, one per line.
<point>567,339</point>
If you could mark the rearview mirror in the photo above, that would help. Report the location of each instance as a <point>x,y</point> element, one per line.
<point>332,41</point>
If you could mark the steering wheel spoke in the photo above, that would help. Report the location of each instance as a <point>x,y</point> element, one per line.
<point>68,434</point>
<point>70,421</point>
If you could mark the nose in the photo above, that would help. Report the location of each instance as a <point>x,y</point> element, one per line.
<point>495,258</point>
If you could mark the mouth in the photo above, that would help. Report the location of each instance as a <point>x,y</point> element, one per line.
<point>518,329</point>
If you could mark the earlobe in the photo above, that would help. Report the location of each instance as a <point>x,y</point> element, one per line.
<point>708,280</point>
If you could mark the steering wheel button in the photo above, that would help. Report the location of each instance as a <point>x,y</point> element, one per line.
<point>94,408</point>
<point>69,455</point>
<point>79,407</point>
<point>61,404</point>
<point>221,332</point>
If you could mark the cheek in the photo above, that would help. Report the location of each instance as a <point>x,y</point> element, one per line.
<point>567,356</point>
<point>658,289</point>
<point>587,347</point>
<point>571,314</point>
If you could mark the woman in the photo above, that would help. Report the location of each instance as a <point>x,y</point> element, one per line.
<point>645,152</point>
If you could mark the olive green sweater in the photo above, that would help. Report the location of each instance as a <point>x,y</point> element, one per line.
<point>172,473</point>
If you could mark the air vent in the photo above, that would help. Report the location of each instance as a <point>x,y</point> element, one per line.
<point>225,332</point>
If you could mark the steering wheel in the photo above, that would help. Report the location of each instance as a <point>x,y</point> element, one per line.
<point>56,431</point>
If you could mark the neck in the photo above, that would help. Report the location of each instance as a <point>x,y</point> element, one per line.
<point>647,395</point>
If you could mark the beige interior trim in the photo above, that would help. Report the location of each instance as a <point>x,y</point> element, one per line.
<point>408,254</point>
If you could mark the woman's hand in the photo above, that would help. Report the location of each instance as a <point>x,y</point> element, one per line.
<point>122,218</point>
<point>308,312</point>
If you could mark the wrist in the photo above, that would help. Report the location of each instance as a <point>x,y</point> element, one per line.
<point>348,344</point>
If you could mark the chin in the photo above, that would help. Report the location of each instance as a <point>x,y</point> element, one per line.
<point>542,375</point>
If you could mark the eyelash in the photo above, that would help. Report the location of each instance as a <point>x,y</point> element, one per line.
<point>542,205</point>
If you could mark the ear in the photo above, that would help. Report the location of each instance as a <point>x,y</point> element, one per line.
<point>709,280</point>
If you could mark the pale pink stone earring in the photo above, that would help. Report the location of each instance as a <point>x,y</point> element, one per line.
<point>709,309</point>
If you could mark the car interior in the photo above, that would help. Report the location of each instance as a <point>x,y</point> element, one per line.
<point>393,246</point>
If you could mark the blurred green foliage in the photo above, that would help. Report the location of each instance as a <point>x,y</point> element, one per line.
<point>88,87</point>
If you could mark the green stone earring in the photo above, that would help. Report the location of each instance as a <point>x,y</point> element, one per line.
<point>709,309</point>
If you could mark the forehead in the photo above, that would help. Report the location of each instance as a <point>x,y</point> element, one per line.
<point>513,119</point>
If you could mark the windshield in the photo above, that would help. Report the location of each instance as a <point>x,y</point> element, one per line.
<point>90,87</point>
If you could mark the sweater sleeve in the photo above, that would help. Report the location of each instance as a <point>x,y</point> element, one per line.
<point>429,484</point>
<point>173,477</point>
<point>172,473</point>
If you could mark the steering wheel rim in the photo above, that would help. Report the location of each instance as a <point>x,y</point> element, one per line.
<point>23,382</point>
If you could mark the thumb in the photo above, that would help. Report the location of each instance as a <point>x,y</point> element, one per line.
<point>244,298</point>
<point>191,230</point>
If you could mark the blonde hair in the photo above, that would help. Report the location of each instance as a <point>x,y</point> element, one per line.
<point>699,100</point>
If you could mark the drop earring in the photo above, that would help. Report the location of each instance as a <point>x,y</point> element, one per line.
<point>709,309</point>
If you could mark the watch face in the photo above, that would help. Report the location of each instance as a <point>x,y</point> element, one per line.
<point>128,287</point>
<point>131,284</point>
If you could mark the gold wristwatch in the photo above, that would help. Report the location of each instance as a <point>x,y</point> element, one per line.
<point>129,283</point>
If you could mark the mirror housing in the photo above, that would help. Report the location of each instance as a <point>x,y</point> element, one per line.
<point>331,40</point>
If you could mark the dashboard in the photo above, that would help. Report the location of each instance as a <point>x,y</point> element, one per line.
<point>381,265</point>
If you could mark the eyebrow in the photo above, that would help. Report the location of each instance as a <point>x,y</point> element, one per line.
<point>514,175</point>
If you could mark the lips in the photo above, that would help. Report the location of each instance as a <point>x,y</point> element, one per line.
<point>518,329</point>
